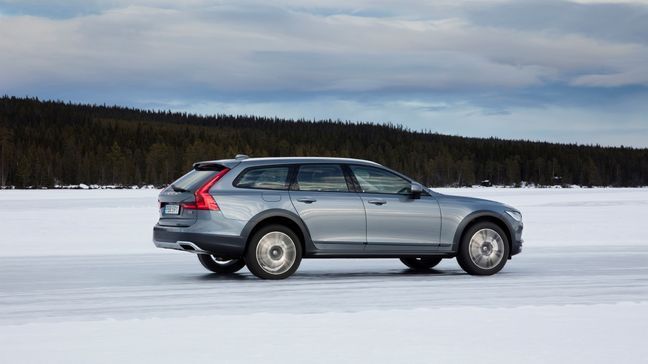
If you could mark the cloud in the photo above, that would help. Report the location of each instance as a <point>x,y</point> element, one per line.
<point>637,76</point>
<point>226,48</point>
<point>622,22</point>
<point>425,64</point>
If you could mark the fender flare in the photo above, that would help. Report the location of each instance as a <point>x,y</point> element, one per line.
<point>468,219</point>
<point>260,217</point>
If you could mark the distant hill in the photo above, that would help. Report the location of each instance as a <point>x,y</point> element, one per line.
<point>43,143</point>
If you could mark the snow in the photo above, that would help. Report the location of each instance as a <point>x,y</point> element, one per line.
<point>83,222</point>
<point>80,281</point>
<point>77,222</point>
<point>582,217</point>
<point>447,335</point>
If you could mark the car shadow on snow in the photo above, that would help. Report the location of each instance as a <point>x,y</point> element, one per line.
<point>224,277</point>
<point>332,275</point>
<point>375,274</point>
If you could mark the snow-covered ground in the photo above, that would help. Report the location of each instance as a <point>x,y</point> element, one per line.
<point>77,222</point>
<point>81,282</point>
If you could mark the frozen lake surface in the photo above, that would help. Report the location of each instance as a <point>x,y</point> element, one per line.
<point>80,281</point>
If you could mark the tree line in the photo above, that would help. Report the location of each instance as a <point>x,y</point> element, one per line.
<point>47,143</point>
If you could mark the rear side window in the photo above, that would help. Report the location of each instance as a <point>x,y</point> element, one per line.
<point>321,177</point>
<point>268,178</point>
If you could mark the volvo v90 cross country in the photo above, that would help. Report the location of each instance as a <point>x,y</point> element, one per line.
<point>269,213</point>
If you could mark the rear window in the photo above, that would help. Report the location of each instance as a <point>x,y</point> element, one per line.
<point>193,179</point>
<point>268,178</point>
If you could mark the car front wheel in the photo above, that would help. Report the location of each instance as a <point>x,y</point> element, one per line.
<point>274,252</point>
<point>484,249</point>
<point>221,265</point>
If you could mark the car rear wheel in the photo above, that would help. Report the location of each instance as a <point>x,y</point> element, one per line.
<point>484,249</point>
<point>421,263</point>
<point>274,252</point>
<point>221,265</point>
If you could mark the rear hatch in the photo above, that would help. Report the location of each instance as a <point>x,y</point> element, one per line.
<point>177,201</point>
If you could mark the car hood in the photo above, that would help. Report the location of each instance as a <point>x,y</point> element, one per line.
<point>473,201</point>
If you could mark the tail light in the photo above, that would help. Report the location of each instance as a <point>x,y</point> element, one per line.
<point>205,201</point>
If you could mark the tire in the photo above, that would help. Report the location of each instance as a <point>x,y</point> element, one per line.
<point>421,263</point>
<point>484,249</point>
<point>274,252</point>
<point>221,265</point>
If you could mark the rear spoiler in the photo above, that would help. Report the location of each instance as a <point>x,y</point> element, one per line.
<point>215,165</point>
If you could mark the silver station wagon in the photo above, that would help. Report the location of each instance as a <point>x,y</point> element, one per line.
<point>269,213</point>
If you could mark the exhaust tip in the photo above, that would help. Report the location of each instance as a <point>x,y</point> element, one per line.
<point>190,247</point>
<point>187,247</point>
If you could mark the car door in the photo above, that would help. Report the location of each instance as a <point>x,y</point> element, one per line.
<point>395,220</point>
<point>333,213</point>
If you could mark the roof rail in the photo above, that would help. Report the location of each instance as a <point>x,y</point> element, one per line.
<point>241,157</point>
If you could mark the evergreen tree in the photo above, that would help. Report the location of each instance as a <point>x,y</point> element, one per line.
<point>43,143</point>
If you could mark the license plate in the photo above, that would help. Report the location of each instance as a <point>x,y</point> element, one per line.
<point>171,209</point>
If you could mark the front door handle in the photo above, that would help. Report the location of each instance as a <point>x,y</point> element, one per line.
<point>306,200</point>
<point>377,202</point>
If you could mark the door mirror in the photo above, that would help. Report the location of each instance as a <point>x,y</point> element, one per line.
<point>416,190</point>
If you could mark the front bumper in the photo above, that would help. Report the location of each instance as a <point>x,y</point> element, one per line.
<point>516,247</point>
<point>167,237</point>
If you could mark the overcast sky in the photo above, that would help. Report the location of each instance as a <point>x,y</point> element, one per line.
<point>568,71</point>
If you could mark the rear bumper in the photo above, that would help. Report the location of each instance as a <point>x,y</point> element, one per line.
<point>177,239</point>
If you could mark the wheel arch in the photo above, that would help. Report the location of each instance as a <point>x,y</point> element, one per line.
<point>482,216</point>
<point>281,217</point>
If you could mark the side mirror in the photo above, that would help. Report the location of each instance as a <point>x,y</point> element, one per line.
<point>416,190</point>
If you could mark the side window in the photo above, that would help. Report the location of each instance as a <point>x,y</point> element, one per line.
<point>376,180</point>
<point>269,178</point>
<point>321,177</point>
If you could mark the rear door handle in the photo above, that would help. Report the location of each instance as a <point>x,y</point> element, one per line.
<point>306,200</point>
<point>377,202</point>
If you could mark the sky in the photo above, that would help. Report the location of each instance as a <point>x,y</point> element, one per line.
<point>560,71</point>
